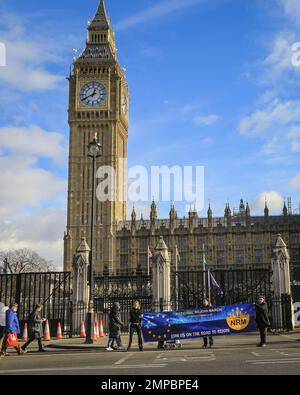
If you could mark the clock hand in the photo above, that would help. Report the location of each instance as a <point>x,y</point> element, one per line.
<point>92,95</point>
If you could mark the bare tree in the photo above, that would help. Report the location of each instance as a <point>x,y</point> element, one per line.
<point>23,260</point>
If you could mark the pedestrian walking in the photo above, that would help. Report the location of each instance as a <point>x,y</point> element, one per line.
<point>115,325</point>
<point>207,341</point>
<point>135,325</point>
<point>3,310</point>
<point>35,328</point>
<point>262,320</point>
<point>12,330</point>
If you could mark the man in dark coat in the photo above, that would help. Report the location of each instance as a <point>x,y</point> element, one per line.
<point>115,325</point>
<point>35,328</point>
<point>135,318</point>
<point>262,320</point>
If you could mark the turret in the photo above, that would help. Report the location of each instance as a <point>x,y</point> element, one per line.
<point>242,207</point>
<point>227,215</point>
<point>285,210</point>
<point>266,213</point>
<point>133,220</point>
<point>153,212</point>
<point>209,217</point>
<point>172,217</point>
<point>248,215</point>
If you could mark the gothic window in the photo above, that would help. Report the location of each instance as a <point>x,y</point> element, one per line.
<point>143,261</point>
<point>143,244</point>
<point>239,240</point>
<point>200,242</point>
<point>183,259</point>
<point>220,258</point>
<point>201,257</point>
<point>220,241</point>
<point>239,257</point>
<point>124,261</point>
<point>182,243</point>
<point>124,245</point>
<point>257,239</point>
<point>258,256</point>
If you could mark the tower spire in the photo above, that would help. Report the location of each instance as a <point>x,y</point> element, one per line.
<point>101,20</point>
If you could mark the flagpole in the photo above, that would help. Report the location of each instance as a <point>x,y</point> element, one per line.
<point>204,270</point>
<point>176,278</point>
<point>208,281</point>
<point>148,263</point>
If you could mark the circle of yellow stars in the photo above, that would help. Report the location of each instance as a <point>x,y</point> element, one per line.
<point>159,336</point>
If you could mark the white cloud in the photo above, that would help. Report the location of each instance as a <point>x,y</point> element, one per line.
<point>25,186</point>
<point>42,231</point>
<point>279,60</point>
<point>26,59</point>
<point>295,181</point>
<point>205,120</point>
<point>277,113</point>
<point>292,9</point>
<point>157,11</point>
<point>271,146</point>
<point>274,200</point>
<point>32,140</point>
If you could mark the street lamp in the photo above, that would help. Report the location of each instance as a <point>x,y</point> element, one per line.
<point>94,152</point>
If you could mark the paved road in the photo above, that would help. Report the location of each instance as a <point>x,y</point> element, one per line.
<point>231,355</point>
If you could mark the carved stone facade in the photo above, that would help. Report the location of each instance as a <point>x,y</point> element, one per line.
<point>236,240</point>
<point>98,106</point>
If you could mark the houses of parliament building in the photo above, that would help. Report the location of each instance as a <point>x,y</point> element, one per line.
<point>99,106</point>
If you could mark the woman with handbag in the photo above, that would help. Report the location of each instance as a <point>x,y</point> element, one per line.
<point>12,330</point>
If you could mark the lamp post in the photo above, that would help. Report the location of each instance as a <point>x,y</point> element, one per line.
<point>94,152</point>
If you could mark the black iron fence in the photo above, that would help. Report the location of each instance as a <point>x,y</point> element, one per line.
<point>189,287</point>
<point>236,286</point>
<point>122,289</point>
<point>53,290</point>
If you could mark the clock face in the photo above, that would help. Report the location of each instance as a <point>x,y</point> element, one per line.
<point>124,104</point>
<point>93,94</point>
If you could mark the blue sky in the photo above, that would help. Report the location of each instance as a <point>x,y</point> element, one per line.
<point>211,83</point>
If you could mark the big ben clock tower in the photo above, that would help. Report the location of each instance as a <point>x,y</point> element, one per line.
<point>98,106</point>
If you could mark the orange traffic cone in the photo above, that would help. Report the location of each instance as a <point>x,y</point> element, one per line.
<point>59,335</point>
<point>47,336</point>
<point>97,329</point>
<point>95,332</point>
<point>101,332</point>
<point>25,333</point>
<point>82,330</point>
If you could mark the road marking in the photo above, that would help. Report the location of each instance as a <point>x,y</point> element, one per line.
<point>122,360</point>
<point>271,353</point>
<point>50,354</point>
<point>170,357</point>
<point>70,369</point>
<point>275,362</point>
